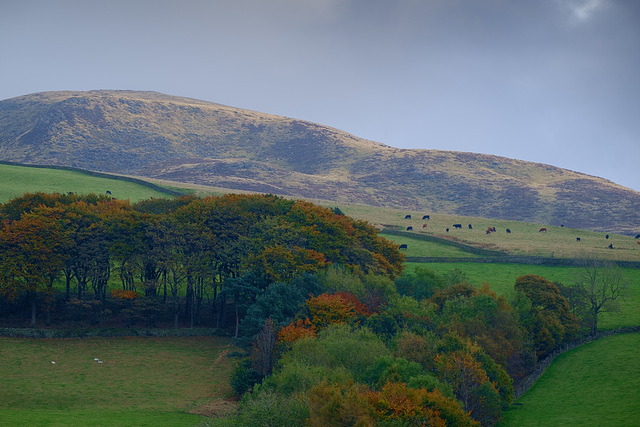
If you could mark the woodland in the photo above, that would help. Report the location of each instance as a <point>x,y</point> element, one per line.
<point>333,332</point>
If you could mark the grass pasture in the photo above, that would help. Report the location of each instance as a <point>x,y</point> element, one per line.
<point>502,278</point>
<point>142,382</point>
<point>418,248</point>
<point>17,180</point>
<point>595,384</point>
<point>525,239</point>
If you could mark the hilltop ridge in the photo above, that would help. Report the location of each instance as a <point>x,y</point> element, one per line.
<point>149,134</point>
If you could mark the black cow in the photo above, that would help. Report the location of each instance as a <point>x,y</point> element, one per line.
<point>108,192</point>
<point>637,236</point>
<point>409,228</point>
<point>606,237</point>
<point>577,239</point>
<point>470,227</point>
<point>425,217</point>
<point>457,225</point>
<point>611,246</point>
<point>403,246</point>
<point>407,217</point>
<point>508,230</point>
<point>447,230</point>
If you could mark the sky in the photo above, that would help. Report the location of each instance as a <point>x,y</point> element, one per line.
<point>549,81</point>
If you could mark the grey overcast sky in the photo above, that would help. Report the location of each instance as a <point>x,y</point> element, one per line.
<point>549,81</point>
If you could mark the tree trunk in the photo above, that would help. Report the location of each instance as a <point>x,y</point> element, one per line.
<point>237,322</point>
<point>33,301</point>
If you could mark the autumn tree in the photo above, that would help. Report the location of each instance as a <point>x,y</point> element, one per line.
<point>279,302</point>
<point>33,249</point>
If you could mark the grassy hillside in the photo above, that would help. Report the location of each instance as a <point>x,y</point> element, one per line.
<point>16,180</point>
<point>596,384</point>
<point>141,382</point>
<point>153,135</point>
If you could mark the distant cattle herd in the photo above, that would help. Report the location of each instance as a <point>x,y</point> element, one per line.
<point>490,230</point>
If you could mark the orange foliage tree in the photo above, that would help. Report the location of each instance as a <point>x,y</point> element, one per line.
<point>340,307</point>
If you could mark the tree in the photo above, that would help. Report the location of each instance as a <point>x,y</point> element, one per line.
<point>601,286</point>
<point>423,283</point>
<point>548,318</point>
<point>32,255</point>
<point>263,355</point>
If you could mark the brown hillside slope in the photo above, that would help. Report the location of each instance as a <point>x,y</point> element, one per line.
<point>149,134</point>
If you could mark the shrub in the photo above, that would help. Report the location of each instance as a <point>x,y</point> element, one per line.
<point>269,408</point>
<point>244,377</point>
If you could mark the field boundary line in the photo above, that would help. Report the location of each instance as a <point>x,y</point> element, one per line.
<point>516,259</point>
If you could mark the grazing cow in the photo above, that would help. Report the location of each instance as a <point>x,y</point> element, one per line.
<point>606,237</point>
<point>424,225</point>
<point>409,228</point>
<point>637,236</point>
<point>470,227</point>
<point>425,217</point>
<point>108,192</point>
<point>611,246</point>
<point>457,225</point>
<point>543,229</point>
<point>508,230</point>
<point>403,246</point>
<point>447,230</point>
<point>407,217</point>
<point>577,239</point>
<point>638,243</point>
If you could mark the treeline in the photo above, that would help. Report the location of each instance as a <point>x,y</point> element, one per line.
<point>94,259</point>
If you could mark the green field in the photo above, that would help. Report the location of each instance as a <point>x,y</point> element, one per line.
<point>142,382</point>
<point>418,248</point>
<point>597,384</point>
<point>17,180</point>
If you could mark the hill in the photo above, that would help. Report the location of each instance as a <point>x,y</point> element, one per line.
<point>153,135</point>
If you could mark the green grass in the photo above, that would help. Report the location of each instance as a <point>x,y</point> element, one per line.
<point>17,180</point>
<point>417,247</point>
<point>595,384</point>
<point>502,278</point>
<point>143,381</point>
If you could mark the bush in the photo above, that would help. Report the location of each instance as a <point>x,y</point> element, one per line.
<point>268,408</point>
<point>244,377</point>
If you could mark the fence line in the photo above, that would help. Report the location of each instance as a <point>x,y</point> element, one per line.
<point>542,365</point>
